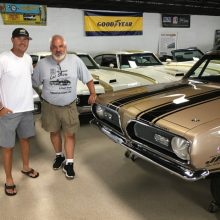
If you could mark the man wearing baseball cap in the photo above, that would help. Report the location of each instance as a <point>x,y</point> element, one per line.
<point>21,32</point>
<point>16,106</point>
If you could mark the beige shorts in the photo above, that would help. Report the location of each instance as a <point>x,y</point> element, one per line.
<point>56,118</point>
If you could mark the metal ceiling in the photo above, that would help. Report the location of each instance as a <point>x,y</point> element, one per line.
<point>193,7</point>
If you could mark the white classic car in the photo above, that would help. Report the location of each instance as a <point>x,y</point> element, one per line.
<point>183,55</point>
<point>181,60</point>
<point>138,63</point>
<point>112,79</point>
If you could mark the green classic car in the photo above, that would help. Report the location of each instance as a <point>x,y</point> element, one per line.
<point>174,125</point>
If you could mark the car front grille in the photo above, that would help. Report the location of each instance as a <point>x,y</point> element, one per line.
<point>82,100</point>
<point>152,138</point>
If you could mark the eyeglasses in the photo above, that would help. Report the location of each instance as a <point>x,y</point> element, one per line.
<point>59,70</point>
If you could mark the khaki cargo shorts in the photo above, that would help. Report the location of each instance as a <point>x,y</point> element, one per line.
<point>56,118</point>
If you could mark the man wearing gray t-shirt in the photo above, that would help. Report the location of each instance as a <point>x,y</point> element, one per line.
<point>59,74</point>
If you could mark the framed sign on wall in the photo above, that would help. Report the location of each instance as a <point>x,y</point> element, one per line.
<point>217,39</point>
<point>171,20</point>
<point>168,42</point>
<point>23,14</point>
<point>103,23</point>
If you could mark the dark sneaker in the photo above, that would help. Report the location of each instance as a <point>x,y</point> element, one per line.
<point>58,162</point>
<point>68,170</point>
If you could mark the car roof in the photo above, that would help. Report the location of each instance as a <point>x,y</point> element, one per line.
<point>78,53</point>
<point>47,53</point>
<point>124,52</point>
<point>41,53</point>
<point>213,52</point>
<point>188,49</point>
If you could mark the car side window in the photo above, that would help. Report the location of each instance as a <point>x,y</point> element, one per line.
<point>98,59</point>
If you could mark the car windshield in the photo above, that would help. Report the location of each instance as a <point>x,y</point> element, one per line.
<point>186,55</point>
<point>207,71</point>
<point>138,60</point>
<point>35,58</point>
<point>90,64</point>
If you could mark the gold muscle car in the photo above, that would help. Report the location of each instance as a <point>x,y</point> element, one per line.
<point>174,125</point>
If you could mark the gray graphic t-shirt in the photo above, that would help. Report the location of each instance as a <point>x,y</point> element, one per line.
<point>60,80</point>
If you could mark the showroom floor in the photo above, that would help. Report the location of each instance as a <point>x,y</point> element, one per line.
<point>107,186</point>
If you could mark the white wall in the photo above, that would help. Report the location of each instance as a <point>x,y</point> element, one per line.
<point>70,24</point>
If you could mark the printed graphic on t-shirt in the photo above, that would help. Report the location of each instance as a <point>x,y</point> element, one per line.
<point>62,82</point>
<point>59,81</point>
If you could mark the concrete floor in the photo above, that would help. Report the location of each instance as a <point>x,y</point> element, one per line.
<point>107,186</point>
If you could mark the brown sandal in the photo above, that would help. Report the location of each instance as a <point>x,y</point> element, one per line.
<point>30,173</point>
<point>13,187</point>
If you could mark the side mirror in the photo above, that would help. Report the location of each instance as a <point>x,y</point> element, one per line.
<point>195,59</point>
<point>168,60</point>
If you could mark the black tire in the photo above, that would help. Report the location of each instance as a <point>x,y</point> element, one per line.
<point>213,207</point>
<point>133,157</point>
<point>215,188</point>
<point>127,153</point>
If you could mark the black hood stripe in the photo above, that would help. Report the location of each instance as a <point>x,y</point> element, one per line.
<point>123,101</point>
<point>165,105</point>
<point>169,108</point>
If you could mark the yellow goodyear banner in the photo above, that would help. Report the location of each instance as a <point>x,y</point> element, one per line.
<point>113,23</point>
<point>25,14</point>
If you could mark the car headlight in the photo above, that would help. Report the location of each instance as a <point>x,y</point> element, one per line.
<point>180,147</point>
<point>100,111</point>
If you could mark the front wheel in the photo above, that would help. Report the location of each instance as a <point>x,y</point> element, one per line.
<point>215,189</point>
<point>213,207</point>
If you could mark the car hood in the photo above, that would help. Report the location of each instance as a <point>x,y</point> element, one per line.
<point>183,104</point>
<point>82,89</point>
<point>158,73</point>
<point>116,80</point>
<point>178,68</point>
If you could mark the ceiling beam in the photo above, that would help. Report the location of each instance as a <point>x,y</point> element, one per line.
<point>192,7</point>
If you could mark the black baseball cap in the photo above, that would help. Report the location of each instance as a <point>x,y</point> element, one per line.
<point>20,32</point>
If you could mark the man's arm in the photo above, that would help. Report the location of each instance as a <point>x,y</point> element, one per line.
<point>1,106</point>
<point>93,95</point>
<point>36,81</point>
<point>4,110</point>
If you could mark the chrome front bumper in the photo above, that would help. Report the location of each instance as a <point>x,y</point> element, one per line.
<point>174,168</point>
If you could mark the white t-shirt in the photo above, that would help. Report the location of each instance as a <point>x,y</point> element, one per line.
<point>16,91</point>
